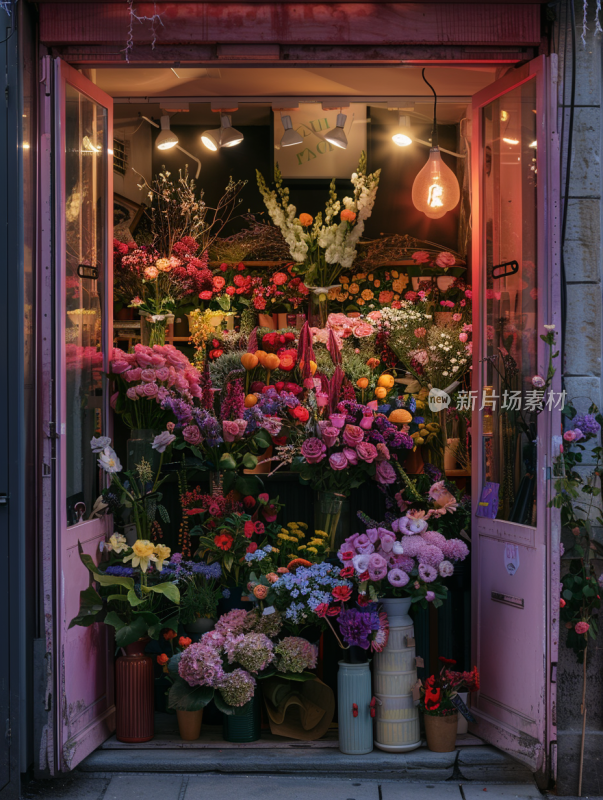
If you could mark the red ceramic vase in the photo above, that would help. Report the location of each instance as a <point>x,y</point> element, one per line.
<point>134,699</point>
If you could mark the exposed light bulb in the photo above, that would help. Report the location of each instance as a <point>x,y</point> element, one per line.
<point>504,115</point>
<point>508,140</point>
<point>435,190</point>
<point>211,139</point>
<point>166,139</point>
<point>402,134</point>
<point>229,136</point>
<point>337,136</point>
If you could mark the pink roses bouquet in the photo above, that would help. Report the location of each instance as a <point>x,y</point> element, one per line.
<point>404,559</point>
<point>146,378</point>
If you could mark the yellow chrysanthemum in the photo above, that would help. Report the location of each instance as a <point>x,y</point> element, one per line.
<point>320,533</point>
<point>353,288</point>
<point>293,525</point>
<point>313,550</point>
<point>142,554</point>
<point>275,550</point>
<point>303,525</point>
<point>360,301</point>
<point>302,547</point>
<point>284,537</point>
<point>400,283</point>
<point>367,294</point>
<point>395,273</point>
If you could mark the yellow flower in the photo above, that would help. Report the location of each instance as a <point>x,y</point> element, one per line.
<point>163,553</point>
<point>302,547</point>
<point>377,284</point>
<point>313,550</point>
<point>344,279</point>
<point>117,543</point>
<point>361,276</point>
<point>303,525</point>
<point>395,273</point>
<point>293,525</point>
<point>360,301</point>
<point>275,550</point>
<point>284,530</point>
<point>322,534</point>
<point>163,265</point>
<point>142,553</point>
<point>354,288</point>
<point>284,537</point>
<point>396,297</point>
<point>367,294</point>
<point>400,283</point>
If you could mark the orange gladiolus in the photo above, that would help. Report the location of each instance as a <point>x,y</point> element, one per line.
<point>249,361</point>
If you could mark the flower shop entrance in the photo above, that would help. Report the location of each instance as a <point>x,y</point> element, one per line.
<point>513,615</point>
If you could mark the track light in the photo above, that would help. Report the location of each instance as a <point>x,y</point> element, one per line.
<point>402,135</point>
<point>166,139</point>
<point>337,137</point>
<point>224,136</point>
<point>289,137</point>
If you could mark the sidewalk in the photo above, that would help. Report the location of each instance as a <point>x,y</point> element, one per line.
<point>81,786</point>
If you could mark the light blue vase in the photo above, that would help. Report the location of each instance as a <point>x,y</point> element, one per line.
<point>354,689</point>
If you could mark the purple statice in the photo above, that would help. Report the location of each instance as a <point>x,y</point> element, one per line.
<point>233,401</point>
<point>587,424</point>
<point>182,410</point>
<point>433,472</point>
<point>120,572</point>
<point>209,426</point>
<point>355,627</point>
<point>254,418</point>
<point>176,558</point>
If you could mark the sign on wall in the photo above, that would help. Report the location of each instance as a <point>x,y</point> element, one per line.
<point>315,157</point>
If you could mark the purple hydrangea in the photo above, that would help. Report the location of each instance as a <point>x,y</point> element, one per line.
<point>587,424</point>
<point>355,627</point>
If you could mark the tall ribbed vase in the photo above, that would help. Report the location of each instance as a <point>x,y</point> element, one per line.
<point>353,708</point>
<point>395,673</point>
<point>134,697</point>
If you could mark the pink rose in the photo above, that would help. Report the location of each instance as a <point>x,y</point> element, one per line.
<point>157,360</point>
<point>445,260</point>
<point>242,424</point>
<point>329,436</point>
<point>383,451</point>
<point>148,375</point>
<point>230,431</point>
<point>313,450</point>
<point>144,359</point>
<point>420,332</point>
<point>338,461</point>
<point>374,315</point>
<point>363,544</point>
<point>463,337</point>
<point>569,436</point>
<point>385,474</point>
<point>468,294</point>
<point>140,389</point>
<point>581,627</point>
<point>351,455</point>
<point>367,452</point>
<point>322,399</point>
<point>366,423</point>
<point>162,374</point>
<point>421,257</point>
<point>133,375</point>
<point>131,393</point>
<point>353,435</point>
<point>363,329</point>
<point>337,420</point>
<point>191,434</point>
<point>162,394</point>
<point>118,367</point>
<point>457,317</point>
<point>150,389</point>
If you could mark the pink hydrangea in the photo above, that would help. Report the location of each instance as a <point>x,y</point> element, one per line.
<point>433,537</point>
<point>455,550</point>
<point>430,554</point>
<point>201,665</point>
<point>237,688</point>
<point>233,622</point>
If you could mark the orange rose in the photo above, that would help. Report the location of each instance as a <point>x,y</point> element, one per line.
<point>306,220</point>
<point>362,383</point>
<point>386,380</point>
<point>249,361</point>
<point>380,392</point>
<point>184,641</point>
<point>287,362</point>
<point>163,659</point>
<point>347,215</point>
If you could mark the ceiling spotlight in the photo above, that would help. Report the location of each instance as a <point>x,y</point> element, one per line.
<point>224,136</point>
<point>290,137</point>
<point>337,137</point>
<point>230,136</point>
<point>166,139</point>
<point>402,135</point>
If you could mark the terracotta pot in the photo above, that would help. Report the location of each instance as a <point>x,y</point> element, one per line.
<point>441,732</point>
<point>134,698</point>
<point>261,469</point>
<point>189,724</point>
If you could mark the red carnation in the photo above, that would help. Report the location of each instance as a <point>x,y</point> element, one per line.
<point>333,611</point>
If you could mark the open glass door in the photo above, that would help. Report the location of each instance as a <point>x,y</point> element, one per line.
<point>83,309</point>
<point>515,556</point>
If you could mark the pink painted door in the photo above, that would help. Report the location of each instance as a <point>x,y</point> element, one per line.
<point>83,247</point>
<point>515,555</point>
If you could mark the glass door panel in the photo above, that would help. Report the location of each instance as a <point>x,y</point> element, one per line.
<point>85,231</point>
<point>510,208</point>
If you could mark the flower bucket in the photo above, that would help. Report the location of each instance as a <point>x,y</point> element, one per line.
<point>267,321</point>
<point>218,318</point>
<point>441,732</point>
<point>327,514</point>
<point>153,332</point>
<point>189,724</point>
<point>134,695</point>
<point>244,727</point>
<point>261,469</point>
<point>354,707</point>
<point>139,447</point>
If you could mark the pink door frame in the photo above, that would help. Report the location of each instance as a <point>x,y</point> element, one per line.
<point>83,657</point>
<point>520,723</point>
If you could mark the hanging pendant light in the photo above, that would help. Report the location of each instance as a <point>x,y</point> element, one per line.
<point>435,190</point>
<point>166,139</point>
<point>337,136</point>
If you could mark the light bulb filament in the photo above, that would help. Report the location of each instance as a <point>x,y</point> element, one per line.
<point>434,196</point>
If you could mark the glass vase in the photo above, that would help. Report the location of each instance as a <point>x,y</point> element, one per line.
<point>328,508</point>
<point>319,308</point>
<point>139,446</point>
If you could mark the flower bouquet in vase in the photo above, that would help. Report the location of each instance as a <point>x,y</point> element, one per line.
<point>322,250</point>
<point>440,704</point>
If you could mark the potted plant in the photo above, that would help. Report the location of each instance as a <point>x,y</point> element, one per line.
<point>200,592</point>
<point>440,704</point>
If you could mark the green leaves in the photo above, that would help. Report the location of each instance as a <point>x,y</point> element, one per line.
<point>250,461</point>
<point>227,462</point>
<point>91,608</point>
<point>127,632</point>
<point>100,577</point>
<point>169,590</point>
<point>262,439</point>
<point>184,697</point>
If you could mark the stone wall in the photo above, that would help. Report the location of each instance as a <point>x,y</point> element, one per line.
<point>582,370</point>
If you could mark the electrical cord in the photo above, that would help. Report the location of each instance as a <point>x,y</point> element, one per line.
<point>434,132</point>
